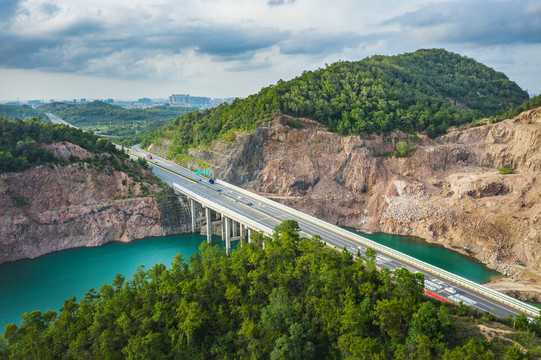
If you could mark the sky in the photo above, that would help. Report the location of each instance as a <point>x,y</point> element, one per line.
<point>128,49</point>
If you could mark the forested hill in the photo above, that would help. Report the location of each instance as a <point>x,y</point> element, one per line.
<point>427,90</point>
<point>21,143</point>
<point>113,120</point>
<point>18,111</point>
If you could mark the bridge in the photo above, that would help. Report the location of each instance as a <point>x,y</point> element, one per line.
<point>240,212</point>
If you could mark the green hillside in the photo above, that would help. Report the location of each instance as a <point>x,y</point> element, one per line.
<point>18,111</point>
<point>113,120</point>
<point>533,103</point>
<point>427,90</point>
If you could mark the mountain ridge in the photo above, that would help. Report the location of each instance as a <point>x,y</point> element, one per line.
<point>428,90</point>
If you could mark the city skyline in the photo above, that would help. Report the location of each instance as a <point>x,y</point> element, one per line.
<point>132,49</point>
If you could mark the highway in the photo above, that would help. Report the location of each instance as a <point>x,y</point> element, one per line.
<point>56,120</point>
<point>270,214</point>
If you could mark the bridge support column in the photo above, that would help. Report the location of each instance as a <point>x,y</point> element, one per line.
<point>222,226</point>
<point>209,225</point>
<point>227,236</point>
<point>192,209</point>
<point>249,233</point>
<point>243,231</point>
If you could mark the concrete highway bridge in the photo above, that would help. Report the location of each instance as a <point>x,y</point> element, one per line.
<point>240,212</point>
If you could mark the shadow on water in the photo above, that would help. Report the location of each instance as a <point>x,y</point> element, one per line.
<point>45,282</point>
<point>437,255</point>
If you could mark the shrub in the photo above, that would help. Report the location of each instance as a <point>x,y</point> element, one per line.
<point>506,170</point>
<point>403,149</point>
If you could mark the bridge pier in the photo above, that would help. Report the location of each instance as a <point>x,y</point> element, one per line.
<point>249,233</point>
<point>192,209</point>
<point>234,228</point>
<point>222,226</point>
<point>227,236</point>
<point>243,231</point>
<point>209,225</point>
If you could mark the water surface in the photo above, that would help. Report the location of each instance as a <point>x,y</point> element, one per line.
<point>44,283</point>
<point>466,266</point>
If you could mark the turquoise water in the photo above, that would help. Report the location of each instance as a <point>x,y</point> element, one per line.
<point>44,283</point>
<point>437,255</point>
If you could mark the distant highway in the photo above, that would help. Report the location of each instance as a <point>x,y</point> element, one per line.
<point>56,120</point>
<point>270,214</point>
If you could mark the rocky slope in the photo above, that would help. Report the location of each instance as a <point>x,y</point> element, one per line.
<point>449,191</point>
<point>50,208</point>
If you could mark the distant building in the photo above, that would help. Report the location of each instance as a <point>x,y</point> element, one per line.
<point>188,100</point>
<point>145,101</point>
<point>109,101</point>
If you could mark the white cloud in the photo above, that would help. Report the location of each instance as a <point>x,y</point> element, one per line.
<point>234,47</point>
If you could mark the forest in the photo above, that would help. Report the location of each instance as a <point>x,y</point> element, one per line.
<point>20,142</point>
<point>18,111</point>
<point>295,298</point>
<point>532,103</point>
<point>125,125</point>
<point>424,91</point>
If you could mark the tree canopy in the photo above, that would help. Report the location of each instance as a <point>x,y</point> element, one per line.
<point>295,299</point>
<point>18,111</point>
<point>127,125</point>
<point>20,142</point>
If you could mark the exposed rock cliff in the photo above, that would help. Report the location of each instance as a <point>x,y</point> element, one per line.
<point>50,208</point>
<point>448,191</point>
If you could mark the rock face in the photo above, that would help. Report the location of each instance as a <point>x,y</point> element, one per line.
<point>448,191</point>
<point>50,208</point>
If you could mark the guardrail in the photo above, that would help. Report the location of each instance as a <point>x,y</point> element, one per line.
<point>223,210</point>
<point>492,294</point>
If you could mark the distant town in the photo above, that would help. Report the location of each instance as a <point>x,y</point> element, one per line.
<point>181,100</point>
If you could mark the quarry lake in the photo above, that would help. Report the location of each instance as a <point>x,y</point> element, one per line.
<point>44,283</point>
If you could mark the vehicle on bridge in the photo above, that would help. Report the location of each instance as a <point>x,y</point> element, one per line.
<point>211,181</point>
<point>149,156</point>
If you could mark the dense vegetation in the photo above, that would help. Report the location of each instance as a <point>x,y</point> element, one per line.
<point>18,111</point>
<point>20,142</point>
<point>126,125</point>
<point>532,103</point>
<point>428,90</point>
<point>295,299</point>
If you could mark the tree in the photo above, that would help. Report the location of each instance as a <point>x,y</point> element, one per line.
<point>298,345</point>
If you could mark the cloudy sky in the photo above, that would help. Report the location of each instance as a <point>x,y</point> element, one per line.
<point>125,49</point>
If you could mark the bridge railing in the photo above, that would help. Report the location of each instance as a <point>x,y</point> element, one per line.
<point>495,295</point>
<point>223,210</point>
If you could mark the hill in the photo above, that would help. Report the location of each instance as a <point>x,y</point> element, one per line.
<point>18,111</point>
<point>427,90</point>
<point>21,144</point>
<point>62,188</point>
<point>113,120</point>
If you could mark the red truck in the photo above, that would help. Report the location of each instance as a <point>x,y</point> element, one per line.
<point>149,156</point>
